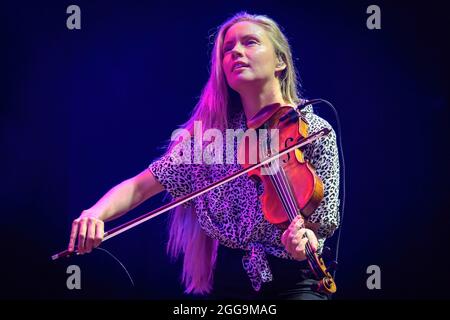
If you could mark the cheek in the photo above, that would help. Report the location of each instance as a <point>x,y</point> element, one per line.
<point>263,60</point>
<point>226,73</point>
<point>226,65</point>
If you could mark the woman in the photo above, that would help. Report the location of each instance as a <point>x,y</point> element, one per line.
<point>251,67</point>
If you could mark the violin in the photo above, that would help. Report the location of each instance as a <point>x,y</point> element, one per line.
<point>300,202</point>
<point>292,188</point>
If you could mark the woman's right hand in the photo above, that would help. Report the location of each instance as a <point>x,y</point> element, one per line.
<point>87,231</point>
<point>88,228</point>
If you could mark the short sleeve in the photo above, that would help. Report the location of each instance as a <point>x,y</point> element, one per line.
<point>323,155</point>
<point>173,170</point>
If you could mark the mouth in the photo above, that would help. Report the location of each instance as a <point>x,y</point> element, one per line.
<point>239,66</point>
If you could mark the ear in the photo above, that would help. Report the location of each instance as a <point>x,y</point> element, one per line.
<point>281,65</point>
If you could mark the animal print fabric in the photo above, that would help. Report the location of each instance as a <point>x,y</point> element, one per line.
<point>232,212</point>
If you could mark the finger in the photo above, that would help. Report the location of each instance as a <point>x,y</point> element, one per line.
<point>73,235</point>
<point>292,224</point>
<point>303,243</point>
<point>307,235</point>
<point>295,223</point>
<point>300,252</point>
<point>90,234</point>
<point>82,235</point>
<point>312,239</point>
<point>299,222</point>
<point>300,233</point>
<point>284,237</point>
<point>291,241</point>
<point>98,234</point>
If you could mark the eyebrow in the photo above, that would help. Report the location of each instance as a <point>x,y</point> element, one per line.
<point>243,37</point>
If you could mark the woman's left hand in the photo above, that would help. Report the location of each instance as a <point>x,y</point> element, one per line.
<point>293,241</point>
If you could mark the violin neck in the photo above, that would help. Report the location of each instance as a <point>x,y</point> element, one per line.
<point>301,219</point>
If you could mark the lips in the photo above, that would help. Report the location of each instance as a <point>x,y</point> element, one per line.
<point>239,64</point>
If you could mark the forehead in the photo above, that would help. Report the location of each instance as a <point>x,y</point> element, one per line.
<point>242,29</point>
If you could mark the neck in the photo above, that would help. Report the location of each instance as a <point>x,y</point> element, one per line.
<point>254,99</point>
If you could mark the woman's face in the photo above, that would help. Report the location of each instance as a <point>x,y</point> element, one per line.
<point>248,43</point>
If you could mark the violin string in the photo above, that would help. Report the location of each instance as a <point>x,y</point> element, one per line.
<point>284,179</point>
<point>278,181</point>
<point>288,205</point>
<point>276,185</point>
<point>282,187</point>
<point>298,211</point>
<point>308,247</point>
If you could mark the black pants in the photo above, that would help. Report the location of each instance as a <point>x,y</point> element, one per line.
<point>292,280</point>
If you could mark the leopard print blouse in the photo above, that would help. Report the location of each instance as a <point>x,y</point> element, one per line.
<point>232,212</point>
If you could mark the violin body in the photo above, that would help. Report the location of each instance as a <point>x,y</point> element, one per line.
<point>292,187</point>
<point>306,186</point>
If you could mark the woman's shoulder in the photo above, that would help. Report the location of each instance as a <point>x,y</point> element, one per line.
<point>315,122</point>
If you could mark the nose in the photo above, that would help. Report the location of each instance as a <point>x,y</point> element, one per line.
<point>237,51</point>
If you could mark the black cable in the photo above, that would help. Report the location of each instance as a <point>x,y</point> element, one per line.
<point>342,172</point>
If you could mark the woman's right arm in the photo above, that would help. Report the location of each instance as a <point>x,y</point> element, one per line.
<point>88,228</point>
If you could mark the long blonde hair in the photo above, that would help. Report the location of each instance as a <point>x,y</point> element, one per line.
<point>214,109</point>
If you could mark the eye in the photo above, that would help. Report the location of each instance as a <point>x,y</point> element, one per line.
<point>227,48</point>
<point>252,41</point>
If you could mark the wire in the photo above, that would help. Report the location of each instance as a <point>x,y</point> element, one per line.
<point>341,153</point>
<point>121,264</point>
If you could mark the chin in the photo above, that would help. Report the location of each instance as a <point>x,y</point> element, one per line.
<point>241,84</point>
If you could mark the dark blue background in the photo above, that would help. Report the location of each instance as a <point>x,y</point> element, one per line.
<point>83,110</point>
